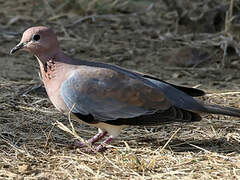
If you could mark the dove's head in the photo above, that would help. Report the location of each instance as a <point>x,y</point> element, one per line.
<point>40,40</point>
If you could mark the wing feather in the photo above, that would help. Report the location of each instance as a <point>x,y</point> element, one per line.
<point>110,95</point>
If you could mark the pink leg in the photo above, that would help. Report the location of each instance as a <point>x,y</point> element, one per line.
<point>91,141</point>
<point>97,137</point>
<point>102,147</point>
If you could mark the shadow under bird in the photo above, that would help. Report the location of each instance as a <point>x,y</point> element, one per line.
<point>110,97</point>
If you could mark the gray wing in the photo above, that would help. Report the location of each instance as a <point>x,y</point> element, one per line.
<point>179,96</point>
<point>109,95</point>
<point>187,90</point>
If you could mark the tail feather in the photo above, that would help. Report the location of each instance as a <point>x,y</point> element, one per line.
<point>216,109</point>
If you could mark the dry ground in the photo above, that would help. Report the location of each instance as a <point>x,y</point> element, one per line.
<point>185,42</point>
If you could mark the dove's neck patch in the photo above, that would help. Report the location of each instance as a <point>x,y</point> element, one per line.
<point>48,69</point>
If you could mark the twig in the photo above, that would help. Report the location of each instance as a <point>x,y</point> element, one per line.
<point>53,14</point>
<point>167,141</point>
<point>190,69</point>
<point>206,151</point>
<point>34,109</point>
<point>48,135</point>
<point>93,17</point>
<point>226,93</point>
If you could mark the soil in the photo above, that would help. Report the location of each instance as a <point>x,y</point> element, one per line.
<point>181,42</point>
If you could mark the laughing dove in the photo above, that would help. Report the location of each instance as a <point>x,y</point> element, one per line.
<point>110,97</point>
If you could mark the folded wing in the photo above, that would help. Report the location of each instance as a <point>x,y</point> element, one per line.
<point>109,95</point>
<point>113,96</point>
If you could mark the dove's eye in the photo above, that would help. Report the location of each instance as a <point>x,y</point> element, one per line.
<point>36,37</point>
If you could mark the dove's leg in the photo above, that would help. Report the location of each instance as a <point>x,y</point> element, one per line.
<point>97,137</point>
<point>102,146</point>
<point>92,140</point>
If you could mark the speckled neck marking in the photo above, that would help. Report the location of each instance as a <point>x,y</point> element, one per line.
<point>49,68</point>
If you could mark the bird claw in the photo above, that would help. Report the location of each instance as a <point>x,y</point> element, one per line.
<point>76,144</point>
<point>100,148</point>
<point>97,148</point>
<point>80,144</point>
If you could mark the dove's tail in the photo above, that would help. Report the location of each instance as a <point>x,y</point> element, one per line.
<point>216,109</point>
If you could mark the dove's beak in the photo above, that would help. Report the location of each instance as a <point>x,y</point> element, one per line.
<point>17,47</point>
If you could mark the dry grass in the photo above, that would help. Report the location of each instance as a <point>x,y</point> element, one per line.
<point>33,147</point>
